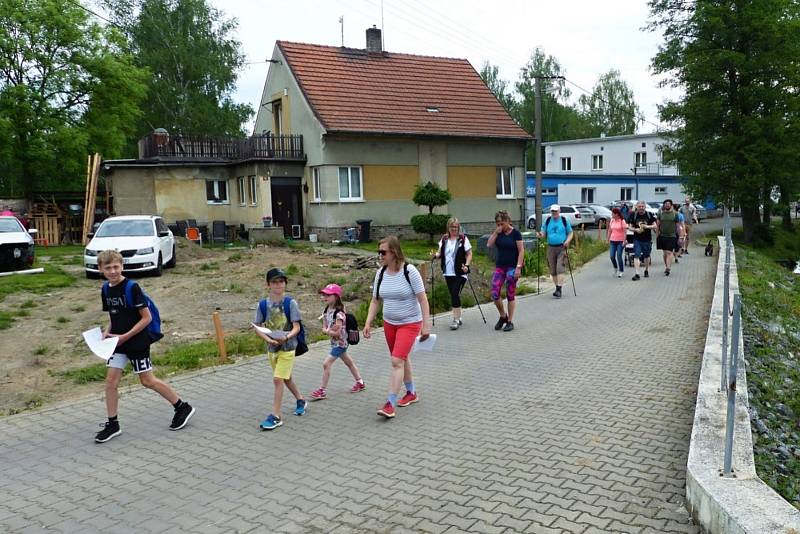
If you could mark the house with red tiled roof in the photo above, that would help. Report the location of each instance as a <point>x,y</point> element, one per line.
<point>341,135</point>
<point>375,124</point>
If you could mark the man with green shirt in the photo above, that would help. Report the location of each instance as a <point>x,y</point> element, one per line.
<point>667,233</point>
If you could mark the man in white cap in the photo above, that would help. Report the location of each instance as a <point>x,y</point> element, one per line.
<point>559,234</point>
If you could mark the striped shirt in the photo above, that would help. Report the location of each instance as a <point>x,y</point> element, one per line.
<point>400,304</point>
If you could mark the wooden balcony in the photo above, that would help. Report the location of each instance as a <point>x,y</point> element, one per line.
<point>205,148</point>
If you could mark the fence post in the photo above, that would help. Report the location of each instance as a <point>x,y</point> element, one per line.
<point>220,335</point>
<point>734,368</point>
<point>725,303</point>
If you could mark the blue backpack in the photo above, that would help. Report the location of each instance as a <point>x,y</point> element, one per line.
<point>301,348</point>
<point>154,328</point>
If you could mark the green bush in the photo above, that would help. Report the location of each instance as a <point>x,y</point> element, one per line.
<point>430,223</point>
<point>361,315</point>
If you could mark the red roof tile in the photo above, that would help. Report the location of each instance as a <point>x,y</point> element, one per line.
<point>355,91</point>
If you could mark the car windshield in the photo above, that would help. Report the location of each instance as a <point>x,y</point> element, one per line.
<point>10,225</point>
<point>125,228</point>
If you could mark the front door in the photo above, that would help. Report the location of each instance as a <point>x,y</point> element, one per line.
<point>287,206</point>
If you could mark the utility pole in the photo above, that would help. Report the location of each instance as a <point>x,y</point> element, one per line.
<point>537,132</point>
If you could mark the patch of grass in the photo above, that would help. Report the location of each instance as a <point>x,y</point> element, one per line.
<point>361,315</point>
<point>235,257</point>
<point>28,304</point>
<point>235,288</point>
<point>62,320</point>
<point>22,313</point>
<point>419,249</point>
<point>210,266</point>
<point>771,329</point>
<point>78,308</point>
<point>41,350</point>
<point>6,319</point>
<point>292,269</point>
<point>53,277</point>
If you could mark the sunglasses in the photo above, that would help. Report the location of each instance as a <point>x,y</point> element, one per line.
<point>382,252</point>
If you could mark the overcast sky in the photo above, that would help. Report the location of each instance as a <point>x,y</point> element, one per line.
<point>588,37</point>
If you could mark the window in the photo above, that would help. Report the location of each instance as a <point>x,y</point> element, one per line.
<point>566,164</point>
<point>217,191</point>
<point>252,189</point>
<point>626,193</point>
<point>277,117</point>
<point>549,191</point>
<point>661,190</point>
<point>640,159</point>
<point>350,183</point>
<point>161,226</point>
<point>597,162</point>
<point>505,182</point>
<point>241,191</point>
<point>316,184</point>
<point>587,195</point>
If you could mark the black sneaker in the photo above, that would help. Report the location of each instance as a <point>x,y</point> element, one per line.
<point>557,293</point>
<point>182,416</point>
<point>635,277</point>
<point>110,431</point>
<point>508,327</point>
<point>646,273</point>
<point>676,260</point>
<point>666,272</point>
<point>685,251</point>
<point>500,322</point>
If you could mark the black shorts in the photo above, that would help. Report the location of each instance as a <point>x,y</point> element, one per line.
<point>664,242</point>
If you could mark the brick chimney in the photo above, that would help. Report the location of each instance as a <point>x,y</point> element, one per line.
<point>374,41</point>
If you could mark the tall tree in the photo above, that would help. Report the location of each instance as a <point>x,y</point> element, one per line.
<point>611,108</point>
<point>736,61</point>
<point>194,59</point>
<point>66,89</point>
<point>491,76</point>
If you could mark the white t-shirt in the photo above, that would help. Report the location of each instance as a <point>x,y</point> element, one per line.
<point>450,247</point>
<point>400,304</point>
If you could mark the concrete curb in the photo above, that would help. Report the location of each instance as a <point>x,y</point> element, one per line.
<point>743,503</point>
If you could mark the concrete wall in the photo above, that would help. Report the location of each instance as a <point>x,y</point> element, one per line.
<point>618,154</point>
<point>742,504</point>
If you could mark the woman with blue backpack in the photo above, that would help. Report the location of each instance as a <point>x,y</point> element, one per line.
<point>338,325</point>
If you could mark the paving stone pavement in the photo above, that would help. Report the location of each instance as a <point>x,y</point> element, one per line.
<point>576,422</point>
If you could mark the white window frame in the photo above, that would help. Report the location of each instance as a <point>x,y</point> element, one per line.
<point>597,162</point>
<point>252,190</point>
<point>241,191</point>
<point>349,197</point>
<point>585,193</point>
<point>549,190</point>
<point>626,193</point>
<point>316,182</point>
<point>501,177</point>
<point>566,163</point>
<point>640,160</point>
<point>216,183</point>
<point>661,190</point>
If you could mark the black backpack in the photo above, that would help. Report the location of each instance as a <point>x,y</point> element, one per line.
<point>563,221</point>
<point>380,279</point>
<point>350,327</point>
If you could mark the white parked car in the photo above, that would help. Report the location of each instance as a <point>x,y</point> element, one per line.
<point>16,245</point>
<point>145,242</point>
<point>575,215</point>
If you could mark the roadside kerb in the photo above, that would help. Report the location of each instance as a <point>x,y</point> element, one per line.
<point>742,503</point>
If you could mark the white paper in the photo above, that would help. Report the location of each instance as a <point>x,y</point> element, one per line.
<point>278,336</point>
<point>426,345</point>
<point>104,348</point>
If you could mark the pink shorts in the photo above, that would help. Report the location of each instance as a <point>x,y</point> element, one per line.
<point>401,337</point>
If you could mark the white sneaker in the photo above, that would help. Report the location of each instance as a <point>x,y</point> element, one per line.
<point>454,324</point>
<point>619,274</point>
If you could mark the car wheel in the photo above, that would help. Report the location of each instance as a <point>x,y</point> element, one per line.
<point>160,267</point>
<point>531,224</point>
<point>171,263</point>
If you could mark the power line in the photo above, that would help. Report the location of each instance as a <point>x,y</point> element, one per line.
<point>101,17</point>
<point>629,111</point>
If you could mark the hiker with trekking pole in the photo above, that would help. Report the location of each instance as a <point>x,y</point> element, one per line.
<point>455,254</point>
<point>508,267</point>
<point>559,234</point>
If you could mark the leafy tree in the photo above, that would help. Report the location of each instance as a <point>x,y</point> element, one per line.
<point>491,76</point>
<point>194,59</point>
<point>432,196</point>
<point>611,108</point>
<point>66,89</point>
<point>736,126</point>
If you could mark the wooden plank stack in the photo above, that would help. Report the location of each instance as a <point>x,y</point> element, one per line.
<point>90,199</point>
<point>44,216</point>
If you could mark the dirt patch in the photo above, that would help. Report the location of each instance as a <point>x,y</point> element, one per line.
<point>37,347</point>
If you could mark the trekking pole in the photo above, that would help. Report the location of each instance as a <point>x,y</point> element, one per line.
<point>538,267</point>
<point>475,295</point>
<point>569,264</point>
<point>433,299</point>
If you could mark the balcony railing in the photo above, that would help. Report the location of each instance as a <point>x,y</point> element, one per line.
<point>660,169</point>
<point>204,147</point>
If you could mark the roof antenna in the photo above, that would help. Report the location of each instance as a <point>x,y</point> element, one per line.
<point>383,30</point>
<point>341,23</point>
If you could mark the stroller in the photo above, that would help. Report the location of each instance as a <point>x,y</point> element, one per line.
<point>629,256</point>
